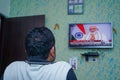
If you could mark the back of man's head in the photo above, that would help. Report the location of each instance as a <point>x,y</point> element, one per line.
<point>38,42</point>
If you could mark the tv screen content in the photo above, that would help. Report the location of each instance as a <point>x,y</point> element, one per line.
<point>90,35</point>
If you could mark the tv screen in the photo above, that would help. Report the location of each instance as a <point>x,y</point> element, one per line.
<point>90,35</point>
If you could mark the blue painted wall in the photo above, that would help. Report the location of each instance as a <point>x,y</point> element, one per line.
<point>108,65</point>
<point>5,7</point>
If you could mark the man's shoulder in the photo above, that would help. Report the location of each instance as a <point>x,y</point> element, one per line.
<point>15,63</point>
<point>62,63</point>
<point>12,69</point>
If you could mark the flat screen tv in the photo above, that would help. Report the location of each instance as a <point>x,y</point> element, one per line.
<point>90,35</point>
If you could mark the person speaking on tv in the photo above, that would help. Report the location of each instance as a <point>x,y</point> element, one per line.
<point>94,34</point>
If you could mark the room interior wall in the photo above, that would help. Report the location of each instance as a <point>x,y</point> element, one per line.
<point>5,7</point>
<point>95,11</point>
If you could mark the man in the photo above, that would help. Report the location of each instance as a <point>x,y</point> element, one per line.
<point>40,65</point>
<point>94,34</point>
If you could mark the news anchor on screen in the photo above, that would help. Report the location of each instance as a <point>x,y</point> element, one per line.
<point>95,34</point>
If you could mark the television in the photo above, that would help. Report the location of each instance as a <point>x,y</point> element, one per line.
<point>90,35</point>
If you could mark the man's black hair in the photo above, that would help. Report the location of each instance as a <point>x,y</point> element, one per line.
<point>39,41</point>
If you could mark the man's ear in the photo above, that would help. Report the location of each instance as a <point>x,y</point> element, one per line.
<point>52,51</point>
<point>52,54</point>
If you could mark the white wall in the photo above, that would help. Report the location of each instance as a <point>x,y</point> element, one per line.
<point>5,7</point>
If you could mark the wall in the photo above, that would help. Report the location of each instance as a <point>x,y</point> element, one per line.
<point>5,7</point>
<point>108,66</point>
